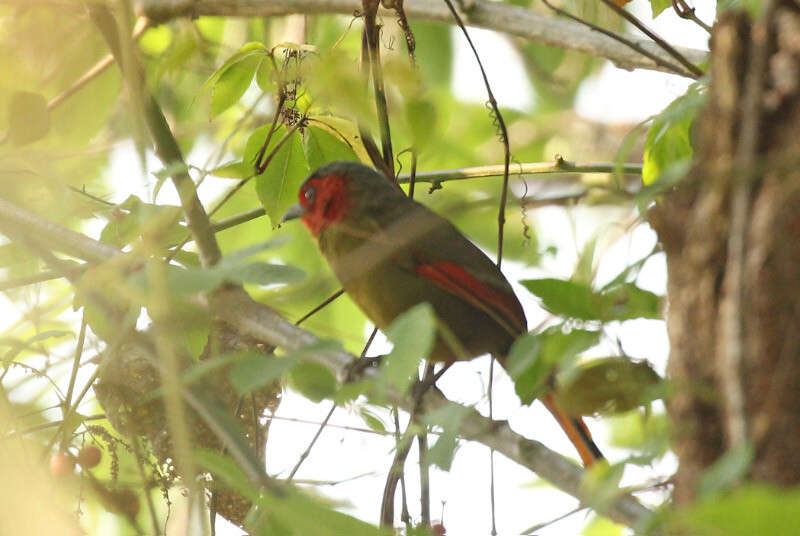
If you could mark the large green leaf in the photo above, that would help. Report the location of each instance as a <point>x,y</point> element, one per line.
<point>608,385</point>
<point>668,143</point>
<point>751,510</point>
<point>535,356</point>
<point>412,334</point>
<point>577,300</point>
<point>657,6</point>
<point>277,187</point>
<point>321,147</point>
<point>283,510</point>
<point>255,370</point>
<point>449,419</point>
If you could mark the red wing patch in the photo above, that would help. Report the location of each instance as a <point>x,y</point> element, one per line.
<point>501,306</point>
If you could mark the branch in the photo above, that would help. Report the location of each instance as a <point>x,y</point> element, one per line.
<point>501,17</point>
<point>256,320</point>
<point>164,143</point>
<point>559,166</point>
<point>234,307</point>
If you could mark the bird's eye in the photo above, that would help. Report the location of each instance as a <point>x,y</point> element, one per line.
<point>309,195</point>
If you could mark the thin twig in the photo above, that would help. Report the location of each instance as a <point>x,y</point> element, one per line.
<point>371,43</point>
<point>319,307</point>
<point>559,166</point>
<point>669,49</point>
<point>235,308</point>
<point>324,423</point>
<point>684,11</point>
<point>501,17</point>
<point>501,124</point>
<point>41,277</point>
<point>536,528</point>
<point>491,450</point>
<point>165,145</point>
<point>97,69</point>
<point>625,40</point>
<point>76,363</point>
<point>238,219</point>
<point>151,509</point>
<point>306,452</point>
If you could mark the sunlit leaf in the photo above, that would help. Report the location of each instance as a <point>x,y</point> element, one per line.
<point>412,334</point>
<point>322,147</point>
<point>449,419</point>
<point>255,370</point>
<point>277,187</point>
<point>534,356</point>
<point>578,300</point>
<point>313,381</point>
<point>668,140</point>
<point>233,82</point>
<point>748,510</point>
<point>608,385</point>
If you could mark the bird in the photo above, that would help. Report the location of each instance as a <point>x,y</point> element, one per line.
<point>391,253</point>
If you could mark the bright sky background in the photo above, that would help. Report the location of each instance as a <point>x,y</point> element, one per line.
<point>612,95</point>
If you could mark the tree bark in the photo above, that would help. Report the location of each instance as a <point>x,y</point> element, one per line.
<point>731,232</point>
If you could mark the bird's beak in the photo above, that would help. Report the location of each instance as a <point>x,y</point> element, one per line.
<point>295,211</point>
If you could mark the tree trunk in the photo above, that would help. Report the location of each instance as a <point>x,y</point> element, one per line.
<point>731,232</point>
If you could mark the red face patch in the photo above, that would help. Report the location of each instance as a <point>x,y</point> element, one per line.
<point>325,200</point>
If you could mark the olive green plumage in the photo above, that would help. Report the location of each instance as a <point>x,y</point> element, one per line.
<point>377,246</point>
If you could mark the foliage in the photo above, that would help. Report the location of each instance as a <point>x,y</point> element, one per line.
<point>237,95</point>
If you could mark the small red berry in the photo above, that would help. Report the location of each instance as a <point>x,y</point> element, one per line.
<point>89,456</point>
<point>62,464</point>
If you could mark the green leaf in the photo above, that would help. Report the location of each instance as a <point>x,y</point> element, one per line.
<point>534,356</point>
<point>657,6</point>
<point>600,485</point>
<point>180,281</point>
<point>28,118</point>
<point>227,430</point>
<point>133,218</point>
<point>449,419</point>
<point>727,471</point>
<point>313,381</point>
<point>565,298</point>
<point>608,385</point>
<point>233,82</point>
<point>321,147</point>
<point>262,273</point>
<point>372,420</point>
<point>420,114</point>
<point>252,49</point>
<point>577,300</point>
<point>750,510</point>
<point>156,39</point>
<point>232,170</point>
<point>668,141</point>
<point>277,187</point>
<point>437,42</point>
<point>254,370</point>
<point>227,470</point>
<point>412,334</point>
<point>601,526</point>
<point>644,432</point>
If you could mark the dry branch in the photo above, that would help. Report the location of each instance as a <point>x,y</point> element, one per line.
<point>497,16</point>
<point>261,323</point>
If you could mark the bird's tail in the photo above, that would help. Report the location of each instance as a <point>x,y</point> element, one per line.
<point>576,430</point>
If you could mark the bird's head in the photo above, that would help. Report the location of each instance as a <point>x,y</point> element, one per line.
<point>335,192</point>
